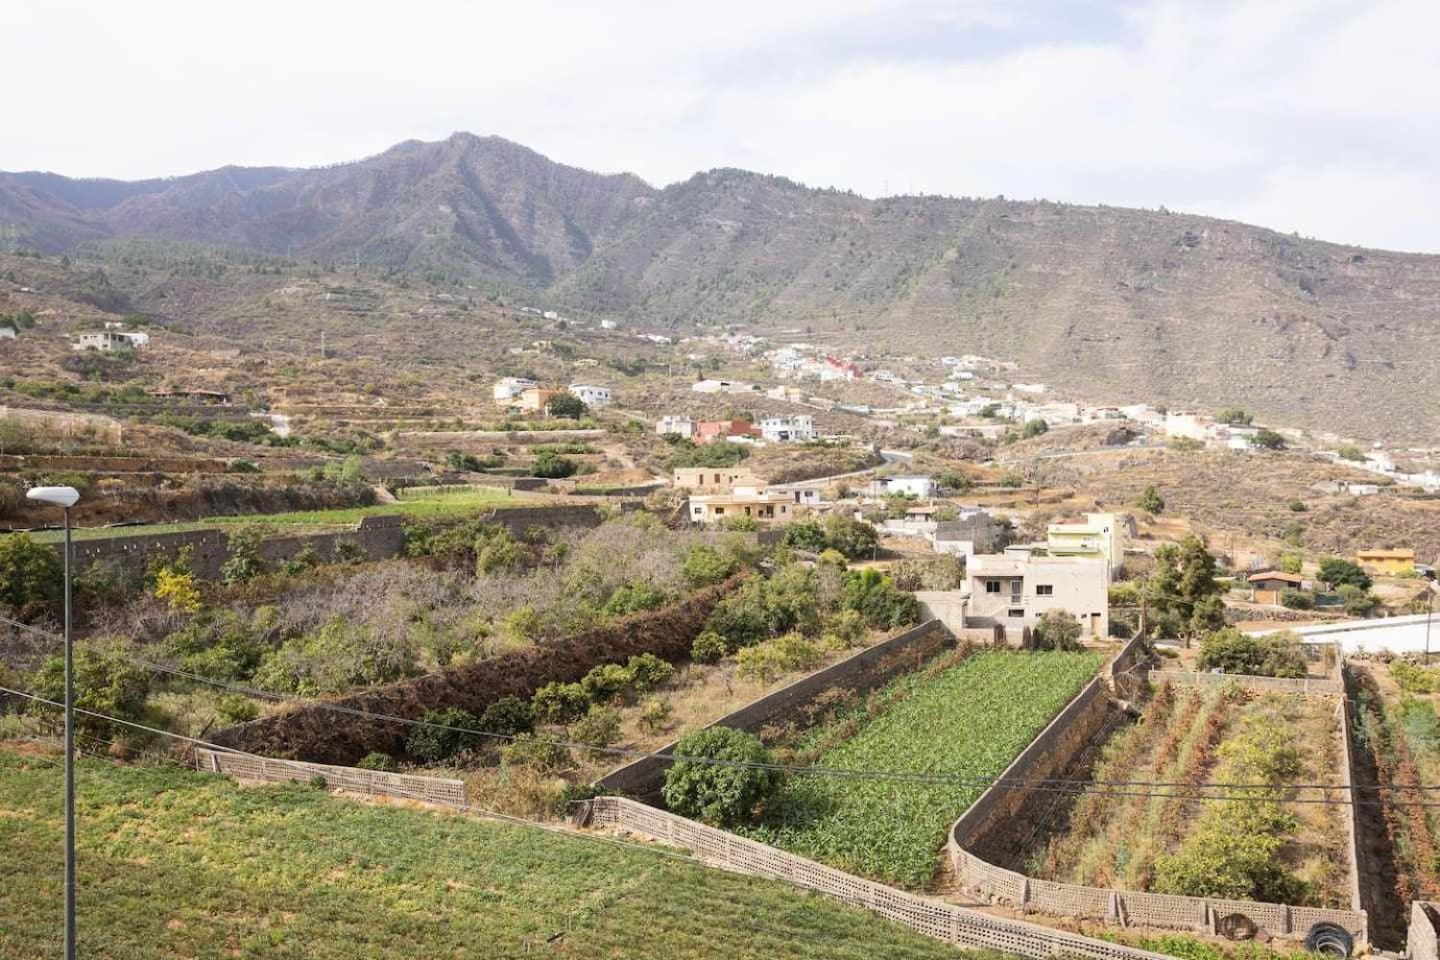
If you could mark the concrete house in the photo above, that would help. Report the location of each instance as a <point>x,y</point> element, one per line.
<point>534,399</point>
<point>506,389</point>
<point>1100,535</point>
<point>748,498</point>
<point>709,478</point>
<point>1386,563</point>
<point>1013,592</point>
<point>796,429</point>
<point>593,397</point>
<point>680,426</point>
<point>922,488</point>
<point>709,431</point>
<point>109,340</point>
<point>971,533</point>
<point>1270,584</point>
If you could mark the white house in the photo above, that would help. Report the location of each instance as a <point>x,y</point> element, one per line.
<point>922,488</point>
<point>592,395</point>
<point>1363,489</point>
<point>108,340</point>
<point>680,426</point>
<point>7,333</point>
<point>1192,426</point>
<point>508,388</point>
<point>796,429</point>
<point>1014,592</point>
<point>607,324</point>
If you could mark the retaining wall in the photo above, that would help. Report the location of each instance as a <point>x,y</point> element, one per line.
<point>1304,685</point>
<point>1422,943</point>
<point>860,673</point>
<point>373,783</point>
<point>933,918</point>
<point>314,733</point>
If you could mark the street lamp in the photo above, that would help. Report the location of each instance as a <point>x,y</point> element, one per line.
<point>66,497</point>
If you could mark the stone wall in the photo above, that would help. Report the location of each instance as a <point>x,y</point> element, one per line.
<point>860,673</point>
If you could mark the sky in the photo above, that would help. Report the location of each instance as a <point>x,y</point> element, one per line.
<point>1311,116</point>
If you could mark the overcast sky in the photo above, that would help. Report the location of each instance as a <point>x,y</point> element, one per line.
<point>1307,115</point>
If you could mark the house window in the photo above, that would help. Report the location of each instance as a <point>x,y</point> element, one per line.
<point>1044,589</point>
<point>992,586</point>
<point>1017,613</point>
<point>719,510</point>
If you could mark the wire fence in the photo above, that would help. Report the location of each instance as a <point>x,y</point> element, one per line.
<point>372,783</point>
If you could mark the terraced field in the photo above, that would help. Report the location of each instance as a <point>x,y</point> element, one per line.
<point>968,720</point>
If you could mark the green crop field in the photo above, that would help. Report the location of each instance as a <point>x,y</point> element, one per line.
<point>174,863</point>
<point>970,720</point>
<point>447,504</point>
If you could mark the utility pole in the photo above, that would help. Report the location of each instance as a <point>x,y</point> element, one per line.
<point>322,344</point>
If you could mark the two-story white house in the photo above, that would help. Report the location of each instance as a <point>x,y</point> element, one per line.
<point>922,488</point>
<point>796,429</point>
<point>678,425</point>
<point>593,396</point>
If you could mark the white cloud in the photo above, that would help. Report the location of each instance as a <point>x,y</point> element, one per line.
<point>1313,115</point>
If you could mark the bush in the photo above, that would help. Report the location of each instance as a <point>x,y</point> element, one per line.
<point>178,591</point>
<point>244,562</point>
<point>1272,655</point>
<point>1357,601</point>
<point>875,597</point>
<point>766,661</point>
<point>655,715</point>
<point>709,647</point>
<point>1034,428</point>
<point>431,744</point>
<point>1267,439</point>
<point>1058,630</point>
<point>1150,501</point>
<point>1297,506</point>
<point>724,796</point>
<point>381,762</point>
<point>855,539</point>
<point>648,671</point>
<point>706,566</point>
<point>1297,599</point>
<point>105,682</point>
<point>31,581</point>
<point>567,406</point>
<point>606,682</point>
<point>508,716</point>
<point>535,753</point>
<point>847,627</point>
<point>232,708</point>
<point>560,702</point>
<point>722,453</point>
<point>598,728</point>
<point>633,597</point>
<point>550,467</point>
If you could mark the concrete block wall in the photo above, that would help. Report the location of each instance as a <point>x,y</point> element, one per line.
<point>860,673</point>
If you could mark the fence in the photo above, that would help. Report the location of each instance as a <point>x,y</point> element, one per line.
<point>933,918</point>
<point>859,673</point>
<point>373,783</point>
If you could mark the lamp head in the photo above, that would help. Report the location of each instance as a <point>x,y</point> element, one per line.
<point>59,496</point>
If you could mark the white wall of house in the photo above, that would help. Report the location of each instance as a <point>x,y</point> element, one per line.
<point>1016,591</point>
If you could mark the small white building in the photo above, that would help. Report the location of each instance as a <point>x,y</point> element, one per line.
<point>796,429</point>
<point>1192,426</point>
<point>508,388</point>
<point>922,488</point>
<point>607,324</point>
<point>1362,489</point>
<point>593,396</point>
<point>7,333</point>
<point>108,340</point>
<point>680,426</point>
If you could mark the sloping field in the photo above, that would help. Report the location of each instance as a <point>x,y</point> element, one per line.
<point>968,720</point>
<point>178,864</point>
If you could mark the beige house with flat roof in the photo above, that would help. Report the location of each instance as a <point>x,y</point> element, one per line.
<point>748,497</point>
<point>708,478</point>
<point>1013,592</point>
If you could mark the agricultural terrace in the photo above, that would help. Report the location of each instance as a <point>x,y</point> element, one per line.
<point>179,864</point>
<point>964,715</point>
<point>1398,732</point>
<point>1261,849</point>
<point>439,505</point>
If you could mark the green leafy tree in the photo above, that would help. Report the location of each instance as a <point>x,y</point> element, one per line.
<point>106,682</point>
<point>705,566</point>
<point>1271,655</point>
<point>551,466</point>
<point>1182,595</point>
<point>1352,452</point>
<point>1034,428</point>
<point>1058,630</point>
<point>244,562</point>
<point>1150,501</point>
<point>1267,439</point>
<point>452,730</point>
<point>1337,572</point>
<point>853,538</point>
<point>31,581</point>
<point>1235,417</point>
<point>567,406</point>
<point>724,795</point>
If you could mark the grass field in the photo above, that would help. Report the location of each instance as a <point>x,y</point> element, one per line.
<point>173,863</point>
<point>313,521</point>
<point>970,720</point>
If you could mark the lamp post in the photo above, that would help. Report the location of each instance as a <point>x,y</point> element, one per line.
<point>66,497</point>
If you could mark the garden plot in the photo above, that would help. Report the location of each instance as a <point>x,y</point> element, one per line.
<point>964,716</point>
<point>1266,847</point>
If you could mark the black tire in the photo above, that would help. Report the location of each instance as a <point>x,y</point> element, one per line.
<point>1330,940</point>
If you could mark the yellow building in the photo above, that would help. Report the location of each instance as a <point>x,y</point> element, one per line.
<point>1387,563</point>
<point>1100,536</point>
<point>747,498</point>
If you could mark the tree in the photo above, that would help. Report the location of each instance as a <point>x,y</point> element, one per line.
<point>244,562</point>
<point>724,795</point>
<point>1182,594</point>
<point>1235,417</point>
<point>853,538</point>
<point>1267,439</point>
<point>105,682</point>
<point>567,406</point>
<point>1351,452</point>
<point>549,466</point>
<point>30,577</point>
<point>1338,572</point>
<point>1034,428</point>
<point>1272,655</point>
<point>1150,501</point>
<point>447,732</point>
<point>1057,630</point>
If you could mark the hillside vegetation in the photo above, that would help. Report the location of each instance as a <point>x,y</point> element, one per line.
<point>175,863</point>
<point>1104,302</point>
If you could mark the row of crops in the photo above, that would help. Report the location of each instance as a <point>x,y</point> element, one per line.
<point>969,720</point>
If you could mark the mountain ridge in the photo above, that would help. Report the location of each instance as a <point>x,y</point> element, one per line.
<point>1105,302</point>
